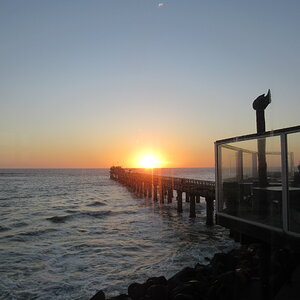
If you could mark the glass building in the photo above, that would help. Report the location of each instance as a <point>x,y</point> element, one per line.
<point>258,184</point>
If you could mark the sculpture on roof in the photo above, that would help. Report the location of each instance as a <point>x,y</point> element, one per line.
<point>260,104</point>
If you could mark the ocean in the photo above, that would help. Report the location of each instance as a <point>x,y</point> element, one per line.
<point>66,233</point>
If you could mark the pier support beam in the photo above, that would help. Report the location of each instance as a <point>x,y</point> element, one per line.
<point>187,197</point>
<point>192,206</point>
<point>140,189</point>
<point>209,211</point>
<point>161,194</point>
<point>155,198</point>
<point>197,198</point>
<point>170,195</point>
<point>179,201</point>
<point>150,190</point>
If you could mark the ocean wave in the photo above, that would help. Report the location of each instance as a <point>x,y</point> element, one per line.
<point>3,228</point>
<point>6,198</point>
<point>19,224</point>
<point>103,213</point>
<point>38,232</point>
<point>9,174</point>
<point>96,214</point>
<point>123,212</point>
<point>61,194</point>
<point>60,219</point>
<point>81,246</point>
<point>15,198</point>
<point>96,203</point>
<point>71,211</point>
<point>15,238</point>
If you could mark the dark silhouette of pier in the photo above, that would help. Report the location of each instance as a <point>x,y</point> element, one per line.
<point>161,188</point>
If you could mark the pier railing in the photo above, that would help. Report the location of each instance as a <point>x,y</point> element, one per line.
<point>161,188</point>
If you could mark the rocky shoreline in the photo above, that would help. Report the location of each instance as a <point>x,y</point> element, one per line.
<point>252,271</point>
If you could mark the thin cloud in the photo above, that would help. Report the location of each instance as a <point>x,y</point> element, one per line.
<point>161,4</point>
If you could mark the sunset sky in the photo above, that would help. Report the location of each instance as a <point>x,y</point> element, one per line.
<point>99,83</point>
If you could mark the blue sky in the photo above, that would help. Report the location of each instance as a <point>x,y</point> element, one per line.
<point>91,75</point>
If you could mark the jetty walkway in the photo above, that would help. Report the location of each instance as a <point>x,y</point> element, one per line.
<point>161,188</point>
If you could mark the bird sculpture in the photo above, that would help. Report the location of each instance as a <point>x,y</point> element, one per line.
<point>260,104</point>
<point>262,101</point>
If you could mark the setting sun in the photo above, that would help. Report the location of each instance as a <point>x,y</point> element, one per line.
<point>149,161</point>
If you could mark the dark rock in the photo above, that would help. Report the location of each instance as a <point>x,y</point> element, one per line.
<point>218,263</point>
<point>183,297</point>
<point>252,290</point>
<point>222,262</point>
<point>146,297</point>
<point>249,272</point>
<point>229,285</point>
<point>243,274</point>
<point>203,272</point>
<point>120,297</point>
<point>226,278</point>
<point>99,296</point>
<point>136,290</point>
<point>157,292</point>
<point>193,288</point>
<point>156,280</point>
<point>219,291</point>
<point>184,275</point>
<point>199,266</point>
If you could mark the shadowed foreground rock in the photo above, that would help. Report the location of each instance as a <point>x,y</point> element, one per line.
<point>241,274</point>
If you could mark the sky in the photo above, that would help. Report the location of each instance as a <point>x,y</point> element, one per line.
<point>91,84</point>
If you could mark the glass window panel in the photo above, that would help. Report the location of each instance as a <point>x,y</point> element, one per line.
<point>293,141</point>
<point>250,180</point>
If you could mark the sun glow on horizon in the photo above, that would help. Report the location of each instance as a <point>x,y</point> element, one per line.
<point>149,161</point>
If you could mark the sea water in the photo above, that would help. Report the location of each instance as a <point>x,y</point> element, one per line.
<point>66,233</point>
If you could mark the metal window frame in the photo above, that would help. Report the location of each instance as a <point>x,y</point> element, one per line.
<point>284,179</point>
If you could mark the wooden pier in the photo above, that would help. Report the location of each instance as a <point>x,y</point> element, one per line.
<point>161,188</point>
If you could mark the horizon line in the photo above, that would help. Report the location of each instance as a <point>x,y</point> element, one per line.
<point>81,168</point>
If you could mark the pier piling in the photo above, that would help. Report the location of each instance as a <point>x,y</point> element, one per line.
<point>192,206</point>
<point>179,201</point>
<point>209,211</point>
<point>155,198</point>
<point>170,195</point>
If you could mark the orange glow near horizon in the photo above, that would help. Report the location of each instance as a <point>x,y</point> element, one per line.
<point>87,152</point>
